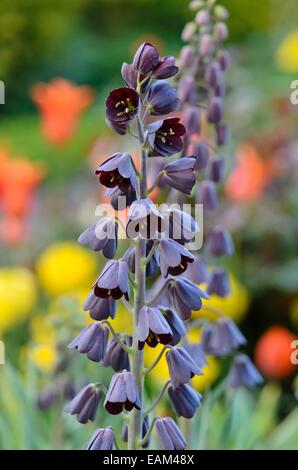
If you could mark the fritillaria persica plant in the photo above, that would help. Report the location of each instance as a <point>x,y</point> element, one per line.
<point>145,108</point>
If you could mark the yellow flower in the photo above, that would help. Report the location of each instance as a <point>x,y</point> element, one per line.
<point>286,57</point>
<point>18,295</point>
<point>43,355</point>
<point>65,267</point>
<point>42,329</point>
<point>235,305</point>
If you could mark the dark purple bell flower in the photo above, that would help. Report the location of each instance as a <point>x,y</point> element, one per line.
<point>119,127</point>
<point>146,59</point>
<point>153,328</point>
<point>221,337</point>
<point>224,59</point>
<point>115,356</point>
<point>173,257</point>
<point>120,200</point>
<point>85,404</point>
<point>182,227</point>
<point>195,351</point>
<point>185,296</point>
<point>187,56</point>
<point>243,373</point>
<point>47,397</point>
<point>216,170</point>
<point>113,281</point>
<point>180,174</point>
<point>185,400</point>
<point>207,195</point>
<point>181,366</point>
<point>122,105</point>
<point>102,439</point>
<point>161,98</point>
<point>176,325</point>
<point>152,265</point>
<point>117,171</point>
<point>197,272</point>
<point>192,120</point>
<point>219,90</point>
<point>122,394</point>
<point>219,242</point>
<point>166,67</point>
<point>215,110</point>
<point>187,89</point>
<point>100,309</point>
<point>169,435</point>
<point>129,75</point>
<point>201,153</point>
<point>165,137</point>
<point>145,429</point>
<point>213,74</point>
<point>144,220</point>
<point>219,283</point>
<point>102,236</point>
<point>92,341</point>
<point>221,134</point>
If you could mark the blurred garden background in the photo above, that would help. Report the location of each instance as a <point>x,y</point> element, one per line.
<point>58,59</point>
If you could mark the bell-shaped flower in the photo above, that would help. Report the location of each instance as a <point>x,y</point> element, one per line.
<point>243,373</point>
<point>85,404</point>
<point>180,174</point>
<point>100,309</point>
<point>122,105</point>
<point>144,220</point>
<point>169,435</point>
<point>102,439</point>
<point>146,59</point>
<point>182,366</point>
<point>173,257</point>
<point>113,281</point>
<point>185,400</point>
<point>197,272</point>
<point>153,328</point>
<point>118,171</point>
<point>102,236</point>
<point>166,67</point>
<point>207,195</point>
<point>161,99</point>
<point>219,242</point>
<point>165,137</point>
<point>176,325</point>
<point>221,337</point>
<point>115,356</point>
<point>92,341</point>
<point>122,394</point>
<point>185,296</point>
<point>219,283</point>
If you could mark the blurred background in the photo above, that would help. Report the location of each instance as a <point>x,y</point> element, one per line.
<point>58,60</point>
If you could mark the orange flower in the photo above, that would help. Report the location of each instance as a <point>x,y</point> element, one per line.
<point>273,353</point>
<point>60,103</point>
<point>251,175</point>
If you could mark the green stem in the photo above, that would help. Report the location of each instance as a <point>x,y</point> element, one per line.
<point>158,399</point>
<point>149,369</point>
<point>117,338</point>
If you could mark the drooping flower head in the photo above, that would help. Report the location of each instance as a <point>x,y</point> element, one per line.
<point>102,439</point>
<point>169,435</point>
<point>153,328</point>
<point>85,404</point>
<point>122,394</point>
<point>113,281</point>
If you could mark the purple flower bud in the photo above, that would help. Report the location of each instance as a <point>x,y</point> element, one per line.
<point>224,59</point>
<point>117,171</point>
<point>216,171</point>
<point>187,89</point>
<point>221,134</point>
<point>213,74</point>
<point>243,373</point>
<point>215,110</point>
<point>47,398</point>
<point>146,58</point>
<point>180,174</point>
<point>181,366</point>
<point>166,68</point>
<point>187,56</point>
<point>100,309</point>
<point>120,200</point>
<point>85,404</point>
<point>173,257</point>
<point>221,31</point>
<point>92,341</point>
<point>153,328</point>
<point>219,242</point>
<point>169,435</point>
<point>145,429</point>
<point>185,296</point>
<point>207,195</point>
<point>152,265</point>
<point>188,31</point>
<point>102,439</point>
<point>176,325</point>
<point>219,90</point>
<point>206,45</point>
<point>113,281</point>
<point>122,105</point>
<point>162,99</point>
<point>221,337</point>
<point>115,356</point>
<point>185,400</point>
<point>197,272</point>
<point>165,137</point>
<point>200,151</point>
<point>129,75</point>
<point>192,120</point>
<point>219,283</point>
<point>195,351</point>
<point>144,220</point>
<point>102,236</point>
<point>221,13</point>
<point>122,394</point>
<point>202,17</point>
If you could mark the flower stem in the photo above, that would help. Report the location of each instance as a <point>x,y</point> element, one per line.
<point>117,338</point>
<point>158,399</point>
<point>157,359</point>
